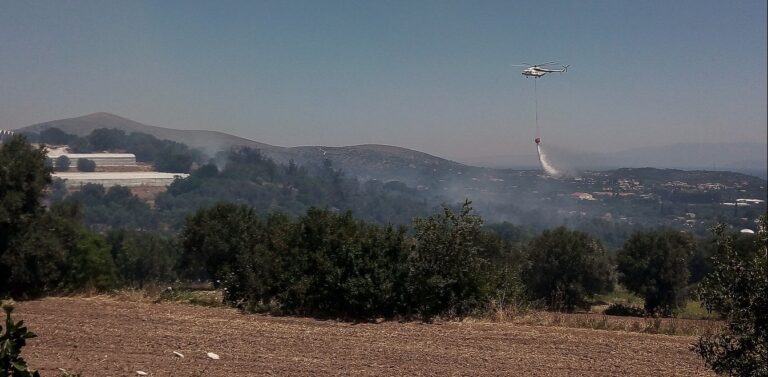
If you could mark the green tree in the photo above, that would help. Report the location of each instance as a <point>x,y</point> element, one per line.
<point>565,268</point>
<point>55,136</point>
<point>61,163</point>
<point>55,253</point>
<point>446,270</point>
<point>173,162</point>
<point>654,265</point>
<point>213,238</point>
<point>339,266</point>
<point>90,264</point>
<point>143,257</point>
<point>737,288</point>
<point>107,139</point>
<point>36,261</point>
<point>86,165</point>
<point>23,177</point>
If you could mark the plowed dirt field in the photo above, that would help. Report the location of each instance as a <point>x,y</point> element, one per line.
<point>107,337</point>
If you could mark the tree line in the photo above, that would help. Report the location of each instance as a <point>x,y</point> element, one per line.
<point>164,155</point>
<point>239,175</point>
<point>559,269</point>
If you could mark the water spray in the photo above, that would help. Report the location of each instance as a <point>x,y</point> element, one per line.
<point>545,164</point>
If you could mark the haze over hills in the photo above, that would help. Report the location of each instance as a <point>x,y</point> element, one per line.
<point>749,158</point>
<point>366,161</point>
<point>390,162</point>
<point>208,141</point>
<point>625,197</point>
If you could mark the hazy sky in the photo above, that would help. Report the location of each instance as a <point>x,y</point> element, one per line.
<point>430,75</point>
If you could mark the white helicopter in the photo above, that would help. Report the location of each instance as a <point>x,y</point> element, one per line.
<point>539,70</point>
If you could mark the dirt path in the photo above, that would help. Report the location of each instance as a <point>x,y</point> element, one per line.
<point>105,337</point>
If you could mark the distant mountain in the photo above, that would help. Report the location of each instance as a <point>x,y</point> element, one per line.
<point>366,161</point>
<point>417,168</point>
<point>208,141</point>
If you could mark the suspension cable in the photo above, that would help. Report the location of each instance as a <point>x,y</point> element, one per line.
<point>536,101</point>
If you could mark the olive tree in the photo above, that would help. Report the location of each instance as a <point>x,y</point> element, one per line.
<point>565,268</point>
<point>737,289</point>
<point>654,265</point>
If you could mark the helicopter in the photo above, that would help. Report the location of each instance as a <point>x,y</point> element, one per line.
<point>539,70</point>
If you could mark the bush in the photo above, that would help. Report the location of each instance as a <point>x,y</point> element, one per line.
<point>213,240</point>
<point>61,163</point>
<point>143,257</point>
<point>342,267</point>
<point>328,264</point>
<point>90,264</point>
<point>86,165</point>
<point>564,268</point>
<point>445,266</point>
<point>11,343</point>
<point>619,309</point>
<point>654,265</point>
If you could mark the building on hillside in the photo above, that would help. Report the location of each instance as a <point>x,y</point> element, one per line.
<point>101,159</point>
<point>750,201</point>
<point>582,196</point>
<point>5,134</point>
<point>109,179</point>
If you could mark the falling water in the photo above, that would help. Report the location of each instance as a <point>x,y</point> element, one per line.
<point>545,164</point>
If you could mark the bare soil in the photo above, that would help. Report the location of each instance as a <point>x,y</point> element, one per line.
<point>107,337</point>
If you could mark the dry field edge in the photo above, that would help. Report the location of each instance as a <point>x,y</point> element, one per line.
<point>102,336</point>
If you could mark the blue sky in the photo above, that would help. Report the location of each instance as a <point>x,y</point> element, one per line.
<point>436,76</point>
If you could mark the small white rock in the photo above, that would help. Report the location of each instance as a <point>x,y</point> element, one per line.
<point>178,354</point>
<point>141,373</point>
<point>213,355</point>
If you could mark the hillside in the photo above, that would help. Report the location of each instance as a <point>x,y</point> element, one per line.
<point>208,141</point>
<point>366,161</point>
<point>603,203</point>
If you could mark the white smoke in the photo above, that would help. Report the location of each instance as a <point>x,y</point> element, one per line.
<point>545,164</point>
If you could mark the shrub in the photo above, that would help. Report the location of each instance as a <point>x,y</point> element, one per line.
<point>11,343</point>
<point>61,163</point>
<point>655,265</point>
<point>445,266</point>
<point>214,239</point>
<point>565,268</point>
<point>342,267</point>
<point>86,165</point>
<point>619,309</point>
<point>331,265</point>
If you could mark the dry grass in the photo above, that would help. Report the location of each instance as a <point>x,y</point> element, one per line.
<point>668,326</point>
<point>158,294</point>
<point>515,313</point>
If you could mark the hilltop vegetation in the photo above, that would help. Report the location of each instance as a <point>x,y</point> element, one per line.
<point>609,205</point>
